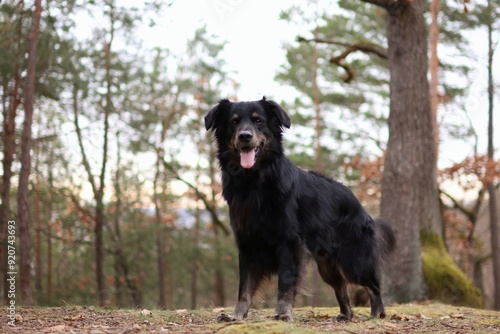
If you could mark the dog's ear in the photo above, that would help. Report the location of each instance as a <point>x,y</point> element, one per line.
<point>212,117</point>
<point>278,112</point>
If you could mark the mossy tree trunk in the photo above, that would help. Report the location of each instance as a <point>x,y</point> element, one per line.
<point>410,198</point>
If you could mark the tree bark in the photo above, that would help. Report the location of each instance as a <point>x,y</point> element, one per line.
<point>22,192</point>
<point>494,228</point>
<point>121,264</point>
<point>220,296</point>
<point>196,259</point>
<point>160,241</point>
<point>49,233</point>
<point>318,165</point>
<point>38,239</point>
<point>410,199</point>
<point>434,70</point>
<point>9,145</point>
<point>98,192</point>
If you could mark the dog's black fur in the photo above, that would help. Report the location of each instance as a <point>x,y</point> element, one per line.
<point>282,215</point>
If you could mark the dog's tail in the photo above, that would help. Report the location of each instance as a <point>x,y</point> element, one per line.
<point>386,240</point>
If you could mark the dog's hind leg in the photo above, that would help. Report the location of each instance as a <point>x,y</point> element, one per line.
<point>365,274</point>
<point>331,274</point>
<point>377,306</point>
<point>249,283</point>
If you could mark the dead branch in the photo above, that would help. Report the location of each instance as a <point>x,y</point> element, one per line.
<point>210,207</point>
<point>350,48</point>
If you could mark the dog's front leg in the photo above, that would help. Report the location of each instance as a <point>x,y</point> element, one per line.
<point>288,279</point>
<point>249,282</point>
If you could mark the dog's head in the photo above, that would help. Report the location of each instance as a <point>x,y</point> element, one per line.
<point>248,131</point>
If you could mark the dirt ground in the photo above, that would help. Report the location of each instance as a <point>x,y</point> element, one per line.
<point>409,318</point>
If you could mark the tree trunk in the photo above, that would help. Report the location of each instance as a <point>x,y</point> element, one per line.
<point>9,144</point>
<point>98,195</point>
<point>196,260</point>
<point>99,251</point>
<point>49,262</point>
<point>434,70</point>
<point>409,187</point>
<point>49,233</point>
<point>160,241</point>
<point>38,238</point>
<point>494,230</point>
<point>317,113</point>
<point>119,272</point>
<point>99,211</point>
<point>219,273</point>
<point>22,192</point>
<point>318,165</point>
<point>169,277</point>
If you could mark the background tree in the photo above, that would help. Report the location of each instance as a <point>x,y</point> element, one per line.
<point>410,199</point>
<point>205,69</point>
<point>492,13</point>
<point>22,191</point>
<point>11,96</point>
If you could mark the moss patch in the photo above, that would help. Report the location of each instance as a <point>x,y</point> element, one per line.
<point>445,280</point>
<point>266,327</point>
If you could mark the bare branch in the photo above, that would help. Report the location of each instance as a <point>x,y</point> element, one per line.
<point>210,207</point>
<point>350,48</point>
<point>76,122</point>
<point>457,205</point>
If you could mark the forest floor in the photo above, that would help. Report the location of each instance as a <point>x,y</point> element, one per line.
<point>426,317</point>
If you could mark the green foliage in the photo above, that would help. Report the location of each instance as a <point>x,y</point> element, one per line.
<point>445,280</point>
<point>348,112</point>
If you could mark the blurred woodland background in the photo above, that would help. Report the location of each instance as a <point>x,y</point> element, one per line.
<point>112,180</point>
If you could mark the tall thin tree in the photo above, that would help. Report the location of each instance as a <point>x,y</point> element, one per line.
<point>9,143</point>
<point>22,192</point>
<point>492,191</point>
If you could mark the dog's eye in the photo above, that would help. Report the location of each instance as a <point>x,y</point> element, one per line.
<point>234,121</point>
<point>257,120</point>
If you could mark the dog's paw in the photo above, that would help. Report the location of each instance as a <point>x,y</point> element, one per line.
<point>283,317</point>
<point>343,318</point>
<point>380,315</point>
<point>225,318</point>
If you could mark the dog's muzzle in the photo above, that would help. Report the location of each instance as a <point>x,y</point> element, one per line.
<point>248,147</point>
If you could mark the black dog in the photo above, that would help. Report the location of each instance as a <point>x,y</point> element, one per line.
<point>282,215</point>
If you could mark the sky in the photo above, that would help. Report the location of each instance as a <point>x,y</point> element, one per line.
<point>251,29</point>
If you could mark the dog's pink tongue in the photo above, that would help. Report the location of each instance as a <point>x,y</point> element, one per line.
<point>247,158</point>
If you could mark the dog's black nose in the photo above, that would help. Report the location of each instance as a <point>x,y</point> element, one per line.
<point>245,136</point>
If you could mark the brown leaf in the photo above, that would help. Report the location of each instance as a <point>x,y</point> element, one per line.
<point>391,325</point>
<point>146,312</point>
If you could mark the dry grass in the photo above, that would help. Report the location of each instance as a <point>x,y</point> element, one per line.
<point>409,318</point>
